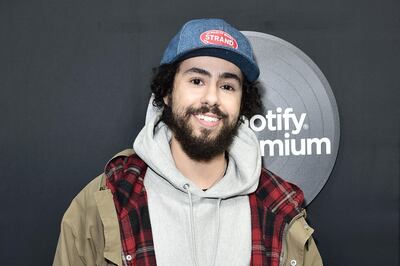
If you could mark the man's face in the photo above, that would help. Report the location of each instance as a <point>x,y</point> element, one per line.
<point>204,106</point>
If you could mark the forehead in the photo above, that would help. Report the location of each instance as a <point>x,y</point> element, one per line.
<point>214,65</point>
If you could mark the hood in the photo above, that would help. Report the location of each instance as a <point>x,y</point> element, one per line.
<point>242,174</point>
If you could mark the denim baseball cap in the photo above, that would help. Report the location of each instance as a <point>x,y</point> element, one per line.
<point>212,37</point>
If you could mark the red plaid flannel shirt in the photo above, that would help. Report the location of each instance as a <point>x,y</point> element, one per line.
<point>273,205</point>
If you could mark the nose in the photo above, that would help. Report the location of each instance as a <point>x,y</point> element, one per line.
<point>211,95</point>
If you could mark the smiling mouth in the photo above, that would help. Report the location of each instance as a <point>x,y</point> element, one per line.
<point>208,121</point>
<point>208,118</point>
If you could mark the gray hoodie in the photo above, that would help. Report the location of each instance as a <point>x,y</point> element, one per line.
<point>191,226</point>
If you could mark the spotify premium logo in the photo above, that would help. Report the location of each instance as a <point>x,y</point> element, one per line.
<point>288,122</point>
<point>299,130</point>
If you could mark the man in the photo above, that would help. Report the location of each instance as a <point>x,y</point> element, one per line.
<point>193,191</point>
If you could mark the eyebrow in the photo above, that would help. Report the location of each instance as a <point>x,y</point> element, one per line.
<point>225,75</point>
<point>198,71</point>
<point>228,75</point>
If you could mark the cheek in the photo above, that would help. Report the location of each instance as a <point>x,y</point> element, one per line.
<point>183,100</point>
<point>236,103</point>
<point>232,108</point>
<point>179,103</point>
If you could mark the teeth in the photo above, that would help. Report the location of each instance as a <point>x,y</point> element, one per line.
<point>208,118</point>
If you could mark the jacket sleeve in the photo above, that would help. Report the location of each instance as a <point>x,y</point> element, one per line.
<point>81,239</point>
<point>301,247</point>
<point>66,252</point>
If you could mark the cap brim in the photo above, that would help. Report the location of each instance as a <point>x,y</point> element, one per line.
<point>248,68</point>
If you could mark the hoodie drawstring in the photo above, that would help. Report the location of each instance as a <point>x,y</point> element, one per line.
<point>214,257</point>
<point>192,228</point>
<point>191,221</point>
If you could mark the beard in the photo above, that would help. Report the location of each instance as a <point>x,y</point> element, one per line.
<point>205,146</point>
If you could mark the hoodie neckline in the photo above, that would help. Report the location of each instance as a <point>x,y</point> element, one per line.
<point>242,173</point>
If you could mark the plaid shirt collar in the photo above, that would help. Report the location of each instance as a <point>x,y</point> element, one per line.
<point>273,205</point>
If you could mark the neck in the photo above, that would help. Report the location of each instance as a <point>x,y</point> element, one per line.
<point>203,174</point>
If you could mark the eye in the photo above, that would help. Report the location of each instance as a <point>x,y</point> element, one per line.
<point>196,81</point>
<point>228,87</point>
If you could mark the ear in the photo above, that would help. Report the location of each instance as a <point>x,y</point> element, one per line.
<point>166,99</point>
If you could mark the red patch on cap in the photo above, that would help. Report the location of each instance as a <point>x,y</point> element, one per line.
<point>218,37</point>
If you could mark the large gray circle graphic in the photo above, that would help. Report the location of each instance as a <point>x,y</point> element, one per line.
<point>299,129</point>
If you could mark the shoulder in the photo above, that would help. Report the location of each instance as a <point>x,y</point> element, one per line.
<point>84,207</point>
<point>278,195</point>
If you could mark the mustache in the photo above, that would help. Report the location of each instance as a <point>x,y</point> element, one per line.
<point>206,109</point>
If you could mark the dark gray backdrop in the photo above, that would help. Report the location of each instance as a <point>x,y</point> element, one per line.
<point>74,81</point>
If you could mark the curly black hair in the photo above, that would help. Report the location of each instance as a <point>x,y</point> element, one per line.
<point>163,79</point>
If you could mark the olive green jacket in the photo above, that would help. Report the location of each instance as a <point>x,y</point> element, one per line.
<point>90,233</point>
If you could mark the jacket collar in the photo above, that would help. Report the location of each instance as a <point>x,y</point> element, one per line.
<point>108,215</point>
